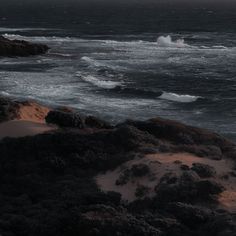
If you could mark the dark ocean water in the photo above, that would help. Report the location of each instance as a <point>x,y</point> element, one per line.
<point>119,63</point>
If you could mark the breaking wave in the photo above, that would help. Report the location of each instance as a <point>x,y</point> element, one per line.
<point>155,94</point>
<point>101,64</point>
<point>91,61</point>
<point>179,98</point>
<point>166,41</point>
<point>5,94</point>
<point>101,83</point>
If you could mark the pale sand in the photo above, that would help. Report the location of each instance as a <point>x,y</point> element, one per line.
<point>21,128</point>
<point>161,164</point>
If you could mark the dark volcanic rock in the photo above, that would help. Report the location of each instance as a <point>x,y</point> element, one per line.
<point>12,48</point>
<point>203,170</point>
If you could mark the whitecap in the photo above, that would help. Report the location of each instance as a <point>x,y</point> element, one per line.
<point>2,93</point>
<point>178,98</point>
<point>98,82</point>
<point>91,61</point>
<point>166,41</point>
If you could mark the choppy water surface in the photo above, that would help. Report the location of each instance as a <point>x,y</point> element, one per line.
<point>187,76</point>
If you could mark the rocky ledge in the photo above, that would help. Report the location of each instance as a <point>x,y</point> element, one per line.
<point>21,48</point>
<point>136,178</point>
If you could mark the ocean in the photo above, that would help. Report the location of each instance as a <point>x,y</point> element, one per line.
<point>129,62</point>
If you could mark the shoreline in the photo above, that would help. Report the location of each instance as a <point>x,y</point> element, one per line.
<point>115,176</point>
<point>63,173</point>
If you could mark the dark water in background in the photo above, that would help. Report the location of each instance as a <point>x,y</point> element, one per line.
<point>129,62</point>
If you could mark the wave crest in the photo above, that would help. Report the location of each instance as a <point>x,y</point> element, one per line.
<point>101,83</point>
<point>179,98</point>
<point>166,41</point>
<point>5,94</point>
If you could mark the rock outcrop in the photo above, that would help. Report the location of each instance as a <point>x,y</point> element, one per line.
<point>22,110</point>
<point>20,48</point>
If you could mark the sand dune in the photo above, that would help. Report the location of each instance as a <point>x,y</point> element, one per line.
<point>161,164</point>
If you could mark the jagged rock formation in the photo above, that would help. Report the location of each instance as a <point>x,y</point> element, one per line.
<point>21,48</point>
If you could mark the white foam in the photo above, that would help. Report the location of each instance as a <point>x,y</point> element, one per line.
<point>41,38</point>
<point>101,83</point>
<point>178,98</point>
<point>5,29</point>
<point>166,41</point>
<point>2,93</point>
<point>60,54</point>
<point>91,61</point>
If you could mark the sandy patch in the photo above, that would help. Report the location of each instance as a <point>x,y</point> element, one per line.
<point>21,128</point>
<point>161,164</point>
<point>32,111</point>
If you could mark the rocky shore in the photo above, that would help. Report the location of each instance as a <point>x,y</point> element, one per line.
<point>15,48</point>
<point>88,177</point>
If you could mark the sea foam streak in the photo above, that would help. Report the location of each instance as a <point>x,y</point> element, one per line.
<point>178,98</point>
<point>5,29</point>
<point>41,38</point>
